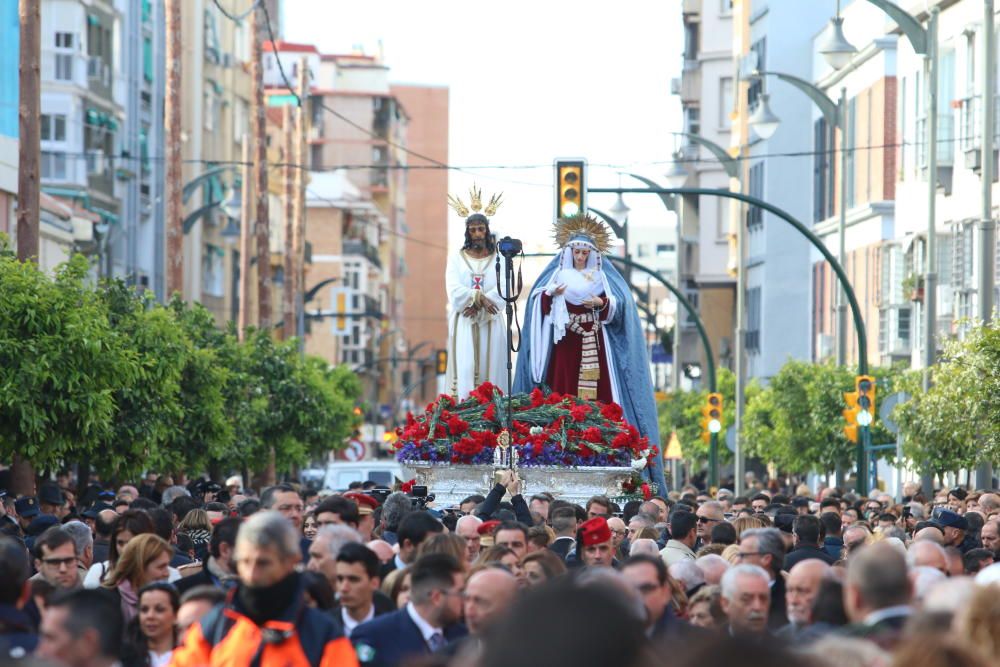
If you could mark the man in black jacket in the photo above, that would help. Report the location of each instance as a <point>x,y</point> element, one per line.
<point>413,529</point>
<point>807,532</point>
<point>564,524</point>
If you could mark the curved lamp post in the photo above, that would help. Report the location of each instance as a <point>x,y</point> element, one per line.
<point>818,244</point>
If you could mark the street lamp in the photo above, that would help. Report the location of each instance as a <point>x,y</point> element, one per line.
<point>763,121</point>
<point>619,210</point>
<point>835,47</point>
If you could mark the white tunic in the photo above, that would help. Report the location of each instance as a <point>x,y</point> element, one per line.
<point>477,345</point>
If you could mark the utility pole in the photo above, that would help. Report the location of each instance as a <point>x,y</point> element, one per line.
<point>172,143</point>
<point>246,241</point>
<point>288,293</point>
<point>987,226</point>
<point>28,189</point>
<point>299,214</point>
<point>29,131</point>
<point>262,227</point>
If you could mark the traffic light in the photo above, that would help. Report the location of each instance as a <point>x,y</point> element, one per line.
<point>711,416</point>
<point>570,188</point>
<point>442,362</point>
<point>864,385</point>
<point>851,415</point>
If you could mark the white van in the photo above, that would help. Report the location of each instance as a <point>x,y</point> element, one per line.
<point>340,474</point>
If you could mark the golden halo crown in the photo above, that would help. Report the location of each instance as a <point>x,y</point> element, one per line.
<point>476,203</point>
<point>583,225</point>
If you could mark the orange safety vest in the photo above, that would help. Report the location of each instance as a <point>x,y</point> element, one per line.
<point>227,638</point>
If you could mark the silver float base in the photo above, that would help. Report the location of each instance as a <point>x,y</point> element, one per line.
<point>451,484</point>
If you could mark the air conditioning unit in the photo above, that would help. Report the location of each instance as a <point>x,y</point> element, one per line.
<point>973,159</point>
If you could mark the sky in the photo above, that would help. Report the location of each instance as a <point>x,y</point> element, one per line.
<point>528,82</point>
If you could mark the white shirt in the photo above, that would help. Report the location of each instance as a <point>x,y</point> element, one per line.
<point>399,563</point>
<point>426,629</point>
<point>161,659</point>
<point>350,623</point>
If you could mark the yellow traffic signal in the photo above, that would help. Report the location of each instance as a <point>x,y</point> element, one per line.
<point>442,362</point>
<point>864,385</point>
<point>851,415</point>
<point>711,416</point>
<point>570,188</point>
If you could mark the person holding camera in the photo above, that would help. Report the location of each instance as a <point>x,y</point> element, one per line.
<point>477,335</point>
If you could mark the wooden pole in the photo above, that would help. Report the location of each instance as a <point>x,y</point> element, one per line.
<point>301,179</point>
<point>246,241</point>
<point>288,300</point>
<point>172,144</point>
<point>262,226</point>
<point>28,176</point>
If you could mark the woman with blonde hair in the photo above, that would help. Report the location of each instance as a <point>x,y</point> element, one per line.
<point>145,559</point>
<point>745,523</point>
<point>979,621</point>
<point>444,543</point>
<point>198,528</point>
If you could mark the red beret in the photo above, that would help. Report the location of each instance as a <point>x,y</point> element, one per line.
<point>595,531</point>
<point>366,504</point>
<point>487,527</point>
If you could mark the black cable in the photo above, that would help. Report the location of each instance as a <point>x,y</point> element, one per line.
<point>237,18</point>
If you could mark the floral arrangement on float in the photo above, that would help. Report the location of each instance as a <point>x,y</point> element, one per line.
<point>547,431</point>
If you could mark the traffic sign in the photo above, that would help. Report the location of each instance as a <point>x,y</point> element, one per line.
<point>355,450</point>
<point>888,405</point>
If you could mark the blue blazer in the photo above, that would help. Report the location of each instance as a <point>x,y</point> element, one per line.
<point>385,641</point>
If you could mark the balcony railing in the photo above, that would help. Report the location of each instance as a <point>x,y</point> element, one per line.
<point>945,141</point>
<point>363,249</point>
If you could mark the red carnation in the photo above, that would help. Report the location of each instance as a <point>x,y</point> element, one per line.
<point>620,441</point>
<point>612,412</point>
<point>579,412</point>
<point>457,426</point>
<point>554,398</point>
<point>491,412</point>
<point>593,434</point>
<point>647,492</point>
<point>585,451</point>
<point>537,397</point>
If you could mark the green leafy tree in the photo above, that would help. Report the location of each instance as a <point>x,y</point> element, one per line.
<point>61,363</point>
<point>681,413</point>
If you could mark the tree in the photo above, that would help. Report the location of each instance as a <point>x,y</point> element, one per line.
<point>681,413</point>
<point>61,362</point>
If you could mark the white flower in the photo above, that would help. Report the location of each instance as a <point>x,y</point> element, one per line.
<point>536,430</point>
<point>638,464</point>
<point>646,452</point>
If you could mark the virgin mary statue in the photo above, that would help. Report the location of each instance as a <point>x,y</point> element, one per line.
<point>582,333</point>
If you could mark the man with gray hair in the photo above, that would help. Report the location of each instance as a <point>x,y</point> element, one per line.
<point>326,547</point>
<point>746,598</point>
<point>467,528</point>
<point>172,493</point>
<point>266,620</point>
<point>689,574</point>
<point>765,548</point>
<point>83,542</point>
<point>395,507</point>
<point>877,595</point>
<point>713,566</point>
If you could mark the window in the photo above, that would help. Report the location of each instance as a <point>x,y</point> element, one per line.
<point>664,249</point>
<point>241,116</point>
<point>692,296</point>
<point>95,162</point>
<point>211,108</point>
<point>725,101</point>
<point>725,7</point>
<point>65,44</point>
<point>722,210</point>
<point>848,144</point>
<point>54,165</point>
<point>755,216</point>
<point>147,59</point>
<point>756,88</point>
<point>752,342</point>
<point>692,120</point>
<point>213,268</point>
<point>822,172</point>
<point>53,127</point>
<point>691,41</point>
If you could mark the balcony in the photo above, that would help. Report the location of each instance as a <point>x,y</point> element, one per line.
<point>363,249</point>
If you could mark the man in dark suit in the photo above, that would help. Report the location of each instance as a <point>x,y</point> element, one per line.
<point>877,595</point>
<point>563,521</point>
<point>428,622</point>
<point>413,529</point>
<point>766,548</point>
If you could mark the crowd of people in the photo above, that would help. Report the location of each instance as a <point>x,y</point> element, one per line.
<point>158,574</point>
